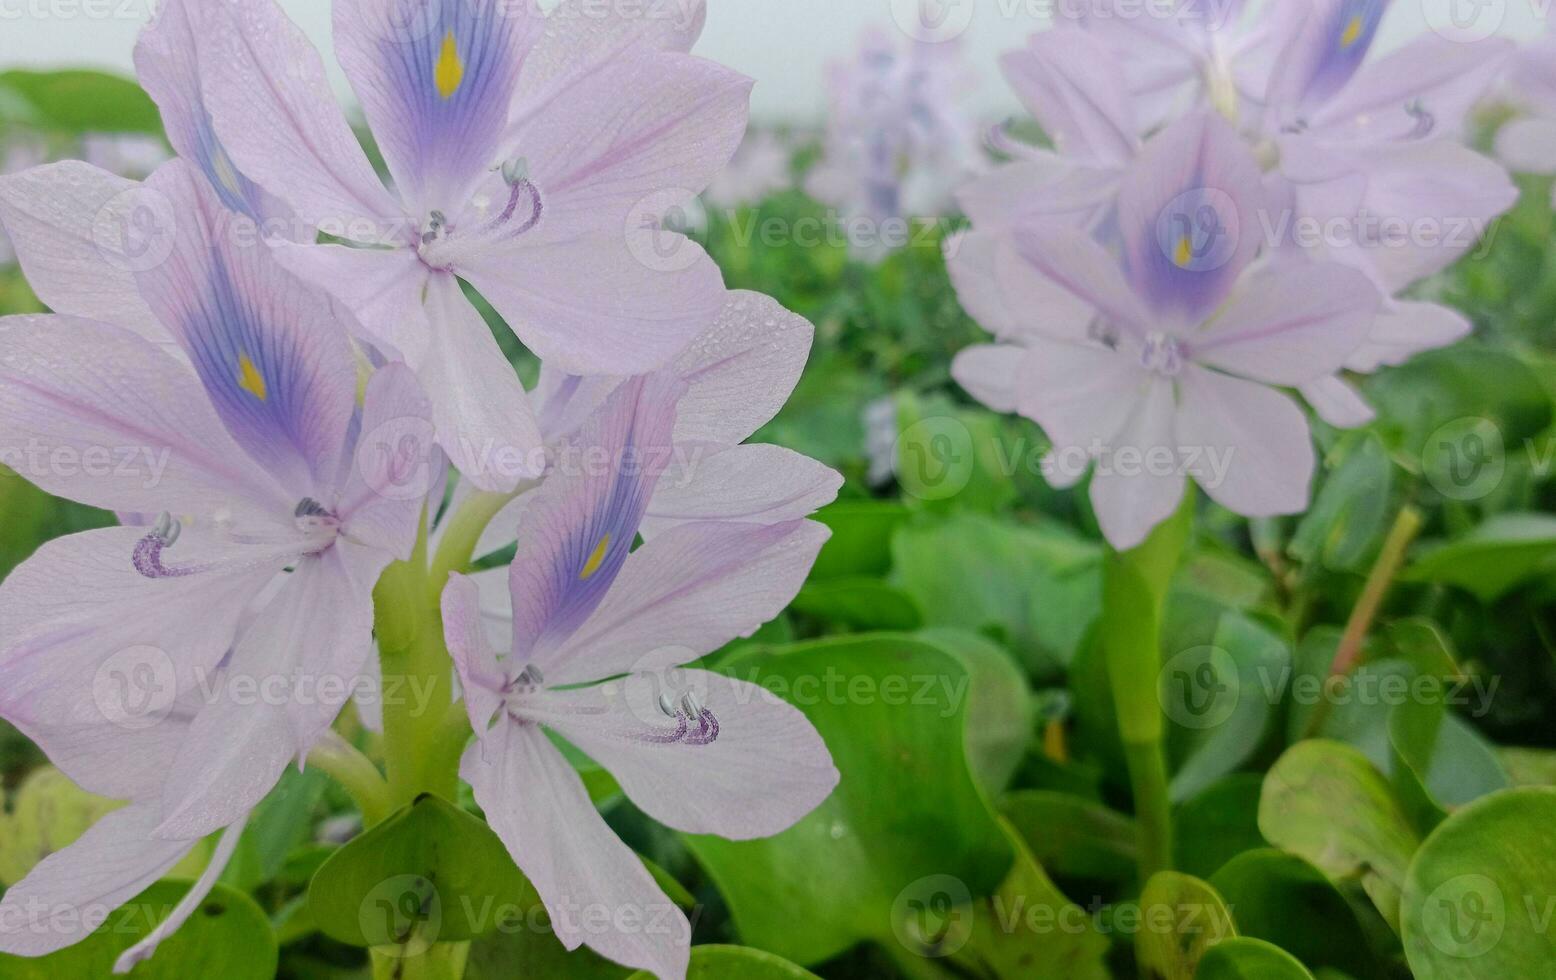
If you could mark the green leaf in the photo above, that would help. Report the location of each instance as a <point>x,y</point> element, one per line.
<point>1281,898</point>
<point>1037,588</point>
<point>430,873</point>
<point>1218,824</point>
<point>278,825</point>
<point>1180,918</point>
<point>1350,516</point>
<point>81,102</point>
<point>523,946</point>
<point>1495,557</point>
<point>999,706</point>
<point>1027,930</point>
<point>1072,837</point>
<point>48,814</point>
<point>1440,762</point>
<point>1481,892</point>
<point>1250,959</point>
<point>1325,802</point>
<point>227,937</point>
<point>859,603</point>
<point>892,710</point>
<point>861,538</point>
<point>727,962</point>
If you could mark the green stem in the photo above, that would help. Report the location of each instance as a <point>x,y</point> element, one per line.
<point>1135,586</point>
<point>1348,655</point>
<point>441,961</point>
<point>355,772</point>
<point>463,534</point>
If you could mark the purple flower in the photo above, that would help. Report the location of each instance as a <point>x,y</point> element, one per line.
<point>899,140</point>
<point>697,751</point>
<point>1528,144</point>
<point>532,157</point>
<point>761,167</point>
<point>1188,335</point>
<point>281,501</point>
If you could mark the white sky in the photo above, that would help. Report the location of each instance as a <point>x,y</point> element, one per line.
<point>783,44</point>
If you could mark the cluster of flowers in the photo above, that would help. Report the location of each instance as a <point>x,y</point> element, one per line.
<point>1235,199</point>
<point>292,338</point>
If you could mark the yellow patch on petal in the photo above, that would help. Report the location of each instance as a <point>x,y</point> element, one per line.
<point>449,72</point>
<point>250,380</point>
<point>1184,254</point>
<point>595,560</point>
<point>1353,32</point>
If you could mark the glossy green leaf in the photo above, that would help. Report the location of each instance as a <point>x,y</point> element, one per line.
<point>999,706</point>
<point>1218,824</point>
<point>861,538</point>
<point>1250,959</point>
<point>430,873</point>
<point>892,710</point>
<point>1480,897</point>
<point>1495,557</point>
<point>859,603</point>
<point>227,937</point>
<point>1325,802</point>
<point>1072,837</point>
<point>1180,918</point>
<point>1350,516</point>
<point>82,102</point>
<point>1440,762</point>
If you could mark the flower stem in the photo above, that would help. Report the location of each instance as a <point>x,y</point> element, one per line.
<point>463,534</point>
<point>1135,586</point>
<point>343,762</point>
<point>1348,654</point>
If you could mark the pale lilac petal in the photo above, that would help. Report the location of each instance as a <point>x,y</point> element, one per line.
<point>103,417</point>
<point>1403,330</point>
<point>1428,87</point>
<point>567,400</point>
<point>622,301</point>
<point>583,38</point>
<point>275,361</point>
<point>66,897</point>
<point>1337,403</point>
<point>1138,483</point>
<point>96,655</point>
<point>1041,187</point>
<point>1085,270</point>
<point>383,288</point>
<point>80,233</point>
<point>661,126</point>
<point>991,373</point>
<point>764,769</point>
<point>1323,53</point>
<point>536,803</point>
<point>1291,324</point>
<point>394,467</point>
<point>1071,82</point>
<point>688,592</point>
<point>167,66</point>
<point>272,106</point>
<point>746,484</point>
<point>1528,145</point>
<point>286,680</point>
<point>580,525</point>
<point>740,370</point>
<point>481,673</point>
<point>1260,433</point>
<point>480,410</point>
<point>435,79</point>
<point>1006,295</point>
<point>221,856</point>
<point>1082,395</point>
<point>1189,214</point>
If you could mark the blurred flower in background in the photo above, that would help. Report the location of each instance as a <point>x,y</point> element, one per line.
<point>899,140</point>
<point>761,167</point>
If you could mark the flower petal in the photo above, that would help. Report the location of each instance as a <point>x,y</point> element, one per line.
<point>990,373</point>
<point>1403,330</point>
<point>1189,215</point>
<point>275,360</point>
<point>1082,395</point>
<point>394,467</point>
<point>385,290</point>
<point>1073,84</point>
<point>435,78</point>
<point>1431,84</point>
<point>481,412</point>
<point>537,804</point>
<point>1261,435</point>
<point>1006,295</point>
<point>1132,490</point>
<point>1528,145</point>
<point>226,846</point>
<point>1338,403</point>
<point>481,672</point>
<point>765,770</point>
<point>1323,53</point>
<point>746,484</point>
<point>283,685</point>
<point>79,234</point>
<point>1084,269</point>
<point>273,109</point>
<point>72,892</point>
<point>1291,323</point>
<point>103,417</point>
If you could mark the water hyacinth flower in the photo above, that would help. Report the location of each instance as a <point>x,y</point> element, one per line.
<point>241,429</point>
<point>1176,373</point>
<point>531,157</point>
<point>1528,144</point>
<point>762,166</point>
<point>697,751</point>
<point>899,140</point>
